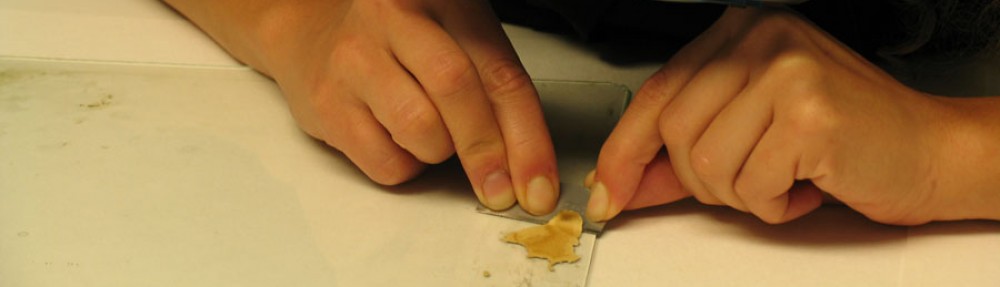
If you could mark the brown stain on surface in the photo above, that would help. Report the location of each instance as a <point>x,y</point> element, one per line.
<point>101,103</point>
<point>553,241</point>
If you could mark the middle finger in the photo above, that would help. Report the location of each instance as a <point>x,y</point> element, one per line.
<point>687,117</point>
<point>451,82</point>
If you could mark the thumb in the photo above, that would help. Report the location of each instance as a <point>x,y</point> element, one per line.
<point>658,185</point>
<point>632,145</point>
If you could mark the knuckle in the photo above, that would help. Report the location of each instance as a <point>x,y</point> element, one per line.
<point>769,215</point>
<point>482,151</point>
<point>312,111</point>
<point>814,116</point>
<point>656,89</point>
<point>501,77</point>
<point>350,57</point>
<point>770,25</point>
<point>392,169</point>
<point>741,189</point>
<point>697,190</point>
<point>415,121</point>
<point>383,166</point>
<point>452,72</point>
<point>621,150</point>
<point>657,81</point>
<point>349,47</point>
<point>770,218</point>
<point>480,147</point>
<point>797,63</point>
<point>428,151</point>
<point>767,35</point>
<point>321,98</point>
<point>706,199</point>
<point>812,108</point>
<point>529,143</point>
<point>769,212</point>
<point>774,22</point>
<point>436,154</point>
<point>418,129</point>
<point>705,168</point>
<point>676,132</point>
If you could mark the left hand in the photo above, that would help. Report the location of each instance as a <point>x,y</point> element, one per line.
<point>763,112</point>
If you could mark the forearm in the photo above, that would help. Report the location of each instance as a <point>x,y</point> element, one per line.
<point>969,172</point>
<point>250,30</point>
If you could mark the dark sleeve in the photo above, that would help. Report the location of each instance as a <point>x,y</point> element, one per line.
<point>864,25</point>
<point>582,15</point>
<point>610,20</point>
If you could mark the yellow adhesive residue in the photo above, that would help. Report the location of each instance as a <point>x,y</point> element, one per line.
<point>553,241</point>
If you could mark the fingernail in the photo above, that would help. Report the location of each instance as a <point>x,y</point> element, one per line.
<point>541,196</point>
<point>597,207</point>
<point>589,180</point>
<point>498,192</point>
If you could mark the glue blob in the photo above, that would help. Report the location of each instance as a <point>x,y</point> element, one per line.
<point>553,241</point>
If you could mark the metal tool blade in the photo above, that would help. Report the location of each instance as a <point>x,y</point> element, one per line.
<point>580,116</point>
<point>572,197</point>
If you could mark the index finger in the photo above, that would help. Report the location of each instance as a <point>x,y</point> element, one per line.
<point>636,140</point>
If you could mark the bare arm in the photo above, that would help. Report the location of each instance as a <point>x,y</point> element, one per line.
<point>968,186</point>
<point>250,30</point>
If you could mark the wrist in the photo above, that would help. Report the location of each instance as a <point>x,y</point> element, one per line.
<point>255,32</point>
<point>967,181</point>
<point>277,32</point>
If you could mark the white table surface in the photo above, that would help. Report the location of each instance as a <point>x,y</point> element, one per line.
<point>201,179</point>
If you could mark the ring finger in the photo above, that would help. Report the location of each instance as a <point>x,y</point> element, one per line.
<point>398,102</point>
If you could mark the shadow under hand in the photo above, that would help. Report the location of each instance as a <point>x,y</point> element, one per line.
<point>956,228</point>
<point>446,179</point>
<point>830,225</point>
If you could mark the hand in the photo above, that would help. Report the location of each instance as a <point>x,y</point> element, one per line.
<point>398,84</point>
<point>763,112</point>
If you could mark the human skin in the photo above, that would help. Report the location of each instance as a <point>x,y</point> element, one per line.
<point>399,84</point>
<point>764,112</point>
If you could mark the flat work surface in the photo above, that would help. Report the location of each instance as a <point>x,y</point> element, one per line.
<point>169,175</point>
<point>209,183</point>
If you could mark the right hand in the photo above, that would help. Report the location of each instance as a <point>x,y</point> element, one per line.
<point>398,84</point>
<point>765,111</point>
